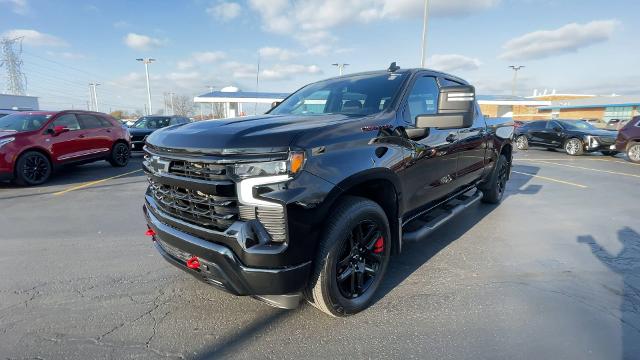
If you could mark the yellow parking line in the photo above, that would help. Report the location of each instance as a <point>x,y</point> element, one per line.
<point>550,179</point>
<point>91,183</point>
<point>586,168</point>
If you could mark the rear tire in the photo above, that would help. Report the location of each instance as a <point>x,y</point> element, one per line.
<point>574,147</point>
<point>493,190</point>
<point>32,168</point>
<point>522,143</point>
<point>352,259</point>
<point>120,155</point>
<point>633,153</point>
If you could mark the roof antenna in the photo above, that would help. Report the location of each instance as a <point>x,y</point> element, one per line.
<point>393,67</point>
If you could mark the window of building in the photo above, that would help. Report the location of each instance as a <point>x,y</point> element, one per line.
<point>618,112</point>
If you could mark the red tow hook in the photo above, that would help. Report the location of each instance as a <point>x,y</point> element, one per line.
<point>378,247</point>
<point>151,233</point>
<point>193,263</point>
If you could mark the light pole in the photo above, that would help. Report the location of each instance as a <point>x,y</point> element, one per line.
<point>95,95</point>
<point>425,17</point>
<point>146,62</point>
<point>515,68</point>
<point>340,67</point>
<point>171,100</point>
<point>211,90</point>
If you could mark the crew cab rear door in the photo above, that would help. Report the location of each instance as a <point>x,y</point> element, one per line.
<point>430,167</point>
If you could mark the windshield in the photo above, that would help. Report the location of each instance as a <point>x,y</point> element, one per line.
<point>155,122</point>
<point>577,125</point>
<point>23,122</point>
<point>353,95</point>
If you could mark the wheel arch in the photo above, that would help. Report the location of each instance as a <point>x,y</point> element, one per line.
<point>381,186</point>
<point>36,149</point>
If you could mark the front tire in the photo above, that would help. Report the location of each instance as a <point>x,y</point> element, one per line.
<point>633,153</point>
<point>522,143</point>
<point>32,168</point>
<point>120,155</point>
<point>493,190</point>
<point>353,257</point>
<point>574,147</point>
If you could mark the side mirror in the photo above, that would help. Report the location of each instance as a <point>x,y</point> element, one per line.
<point>557,129</point>
<point>57,130</point>
<point>455,109</point>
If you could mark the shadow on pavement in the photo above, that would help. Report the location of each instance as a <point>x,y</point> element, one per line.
<point>416,254</point>
<point>233,340</point>
<point>626,264</point>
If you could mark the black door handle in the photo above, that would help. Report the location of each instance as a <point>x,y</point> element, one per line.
<point>452,137</point>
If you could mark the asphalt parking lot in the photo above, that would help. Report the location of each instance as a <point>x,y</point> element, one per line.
<point>553,272</point>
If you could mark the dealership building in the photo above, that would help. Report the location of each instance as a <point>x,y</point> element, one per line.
<point>603,108</point>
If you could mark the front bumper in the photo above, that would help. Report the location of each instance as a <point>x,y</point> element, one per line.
<point>219,265</point>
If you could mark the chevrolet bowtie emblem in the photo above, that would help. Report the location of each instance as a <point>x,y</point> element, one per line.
<point>158,165</point>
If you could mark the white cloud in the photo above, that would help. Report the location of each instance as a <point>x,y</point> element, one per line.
<point>569,38</point>
<point>288,71</point>
<point>66,55</point>
<point>142,42</point>
<point>277,53</point>
<point>452,62</point>
<point>198,58</point>
<point>225,11</point>
<point>285,16</point>
<point>35,38</point>
<point>121,24</point>
<point>20,7</point>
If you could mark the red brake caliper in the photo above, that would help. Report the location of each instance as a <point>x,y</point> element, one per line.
<point>378,247</point>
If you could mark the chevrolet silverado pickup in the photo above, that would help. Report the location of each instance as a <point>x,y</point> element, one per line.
<point>310,200</point>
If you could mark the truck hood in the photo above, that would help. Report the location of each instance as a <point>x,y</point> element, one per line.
<point>264,132</point>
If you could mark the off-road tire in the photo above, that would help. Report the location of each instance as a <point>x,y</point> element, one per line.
<point>493,190</point>
<point>323,291</point>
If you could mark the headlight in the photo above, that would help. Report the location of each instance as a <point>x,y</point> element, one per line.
<point>5,141</point>
<point>290,166</point>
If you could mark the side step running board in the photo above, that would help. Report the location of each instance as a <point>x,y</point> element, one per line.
<point>439,216</point>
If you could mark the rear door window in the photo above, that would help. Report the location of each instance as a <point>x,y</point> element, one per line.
<point>90,122</point>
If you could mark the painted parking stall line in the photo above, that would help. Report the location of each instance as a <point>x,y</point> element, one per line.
<point>586,168</point>
<point>550,179</point>
<point>92,183</point>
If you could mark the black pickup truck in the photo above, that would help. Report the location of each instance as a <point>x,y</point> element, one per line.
<point>311,199</point>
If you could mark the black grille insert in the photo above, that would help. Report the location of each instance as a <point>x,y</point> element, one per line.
<point>211,211</point>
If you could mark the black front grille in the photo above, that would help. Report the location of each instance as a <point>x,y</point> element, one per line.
<point>198,170</point>
<point>606,140</point>
<point>210,211</point>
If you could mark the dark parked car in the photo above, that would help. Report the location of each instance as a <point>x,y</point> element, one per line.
<point>575,136</point>
<point>33,144</point>
<point>314,197</point>
<point>148,124</point>
<point>629,139</point>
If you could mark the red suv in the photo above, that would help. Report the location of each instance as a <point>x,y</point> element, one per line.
<point>629,139</point>
<point>32,144</point>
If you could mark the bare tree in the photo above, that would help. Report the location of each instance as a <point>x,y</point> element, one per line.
<point>183,105</point>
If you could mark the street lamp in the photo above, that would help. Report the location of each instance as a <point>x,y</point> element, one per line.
<point>515,68</point>
<point>340,67</point>
<point>95,95</point>
<point>146,62</point>
<point>425,17</point>
<point>211,90</point>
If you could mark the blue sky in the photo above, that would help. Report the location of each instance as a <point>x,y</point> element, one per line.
<point>570,46</point>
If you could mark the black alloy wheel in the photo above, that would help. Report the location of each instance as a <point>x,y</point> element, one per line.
<point>120,155</point>
<point>360,259</point>
<point>503,176</point>
<point>493,190</point>
<point>32,168</point>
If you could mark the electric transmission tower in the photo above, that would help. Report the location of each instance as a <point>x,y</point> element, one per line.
<point>11,60</point>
